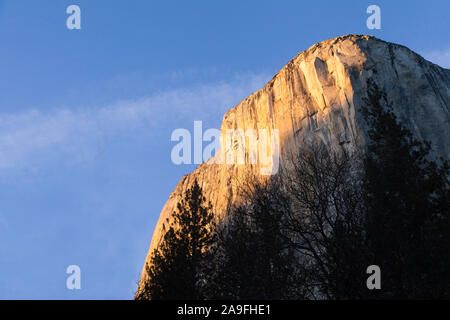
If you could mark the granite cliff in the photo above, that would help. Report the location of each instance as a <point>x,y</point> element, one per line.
<point>317,96</point>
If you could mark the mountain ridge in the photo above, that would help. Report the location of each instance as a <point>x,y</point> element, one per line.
<point>317,96</point>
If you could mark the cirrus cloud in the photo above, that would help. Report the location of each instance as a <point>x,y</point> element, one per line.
<point>34,139</point>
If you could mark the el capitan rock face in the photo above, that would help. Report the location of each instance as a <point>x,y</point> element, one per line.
<point>318,96</point>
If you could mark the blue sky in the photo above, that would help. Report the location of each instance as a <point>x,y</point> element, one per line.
<point>86,116</point>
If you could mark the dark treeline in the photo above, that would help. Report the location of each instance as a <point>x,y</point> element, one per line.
<point>311,231</point>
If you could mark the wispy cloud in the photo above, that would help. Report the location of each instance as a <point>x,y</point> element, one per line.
<point>32,139</point>
<point>439,57</point>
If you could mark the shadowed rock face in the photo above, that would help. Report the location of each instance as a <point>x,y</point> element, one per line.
<point>317,97</point>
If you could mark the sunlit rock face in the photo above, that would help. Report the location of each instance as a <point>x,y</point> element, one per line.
<point>317,96</point>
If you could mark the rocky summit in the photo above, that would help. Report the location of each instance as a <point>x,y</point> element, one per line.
<point>318,96</point>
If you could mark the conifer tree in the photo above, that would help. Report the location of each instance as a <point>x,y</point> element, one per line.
<point>176,266</point>
<point>407,206</point>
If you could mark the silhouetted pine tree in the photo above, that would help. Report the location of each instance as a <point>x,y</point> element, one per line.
<point>407,207</point>
<point>176,266</point>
